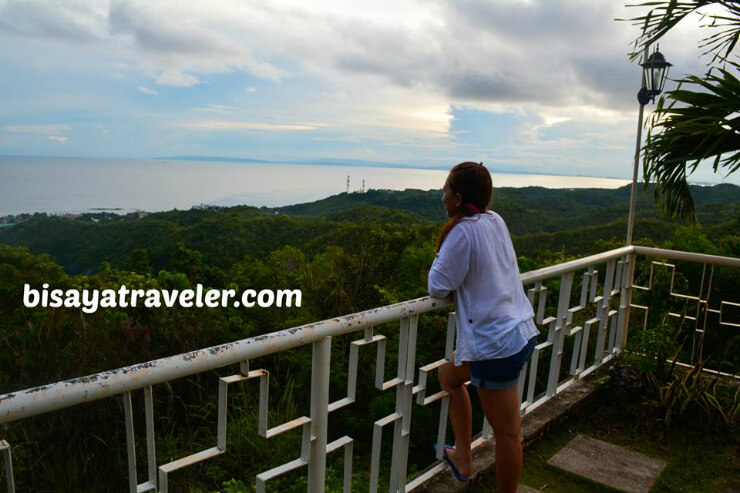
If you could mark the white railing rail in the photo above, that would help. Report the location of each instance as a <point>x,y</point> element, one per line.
<point>591,333</point>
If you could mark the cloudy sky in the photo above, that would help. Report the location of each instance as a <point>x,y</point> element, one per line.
<point>527,85</point>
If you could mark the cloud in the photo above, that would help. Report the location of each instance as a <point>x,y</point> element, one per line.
<point>499,52</point>
<point>550,119</point>
<point>215,108</point>
<point>554,53</point>
<point>69,21</point>
<point>146,90</point>
<point>37,129</point>
<point>58,139</point>
<point>173,41</point>
<point>245,125</point>
<point>176,78</point>
<point>384,73</point>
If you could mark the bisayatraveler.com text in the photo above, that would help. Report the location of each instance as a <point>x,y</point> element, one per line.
<point>90,300</point>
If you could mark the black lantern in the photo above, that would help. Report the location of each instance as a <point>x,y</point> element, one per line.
<point>654,73</point>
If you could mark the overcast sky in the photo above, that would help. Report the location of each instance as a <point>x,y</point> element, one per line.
<point>529,85</point>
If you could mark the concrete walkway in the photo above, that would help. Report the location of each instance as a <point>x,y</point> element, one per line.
<point>608,464</point>
<point>526,489</point>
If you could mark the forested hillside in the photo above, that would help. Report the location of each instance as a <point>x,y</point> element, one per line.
<point>532,210</point>
<point>541,220</point>
<point>346,253</point>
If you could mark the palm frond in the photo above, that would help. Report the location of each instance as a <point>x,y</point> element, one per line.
<point>664,15</point>
<point>698,121</point>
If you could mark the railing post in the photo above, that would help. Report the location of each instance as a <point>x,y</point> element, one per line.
<point>404,398</point>
<point>602,311</point>
<point>561,325</point>
<point>130,442</point>
<point>319,414</point>
<point>5,448</point>
<point>626,301</point>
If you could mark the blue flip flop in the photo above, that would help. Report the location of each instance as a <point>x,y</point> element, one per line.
<point>448,461</point>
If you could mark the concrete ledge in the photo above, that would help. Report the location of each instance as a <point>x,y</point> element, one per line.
<point>534,425</point>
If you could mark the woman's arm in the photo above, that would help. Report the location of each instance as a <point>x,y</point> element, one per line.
<point>450,265</point>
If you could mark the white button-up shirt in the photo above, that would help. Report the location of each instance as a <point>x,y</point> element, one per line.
<point>477,262</point>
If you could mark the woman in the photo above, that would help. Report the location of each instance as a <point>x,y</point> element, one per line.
<point>495,331</point>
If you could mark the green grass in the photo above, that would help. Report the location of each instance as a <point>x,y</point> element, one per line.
<point>700,456</point>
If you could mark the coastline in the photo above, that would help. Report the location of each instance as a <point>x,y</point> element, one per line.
<point>68,186</point>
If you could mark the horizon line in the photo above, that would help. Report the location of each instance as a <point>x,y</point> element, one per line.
<point>353,162</point>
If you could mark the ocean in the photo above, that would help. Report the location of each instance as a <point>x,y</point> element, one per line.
<point>62,185</point>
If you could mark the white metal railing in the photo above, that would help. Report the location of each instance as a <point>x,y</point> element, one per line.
<point>592,332</point>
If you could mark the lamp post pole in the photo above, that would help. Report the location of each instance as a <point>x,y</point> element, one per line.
<point>636,162</point>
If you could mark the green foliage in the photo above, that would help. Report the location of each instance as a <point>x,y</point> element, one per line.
<point>692,395</point>
<point>234,486</point>
<point>649,349</point>
<point>691,239</point>
<point>139,262</point>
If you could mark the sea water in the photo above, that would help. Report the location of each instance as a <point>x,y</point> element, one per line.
<point>63,185</point>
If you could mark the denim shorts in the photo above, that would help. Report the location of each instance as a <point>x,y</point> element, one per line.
<point>500,373</point>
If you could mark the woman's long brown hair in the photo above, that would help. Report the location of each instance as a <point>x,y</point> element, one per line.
<point>473,182</point>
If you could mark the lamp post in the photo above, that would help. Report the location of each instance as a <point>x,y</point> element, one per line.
<point>654,73</point>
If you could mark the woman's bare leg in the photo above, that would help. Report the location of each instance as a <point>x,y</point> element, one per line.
<point>452,379</point>
<point>501,407</point>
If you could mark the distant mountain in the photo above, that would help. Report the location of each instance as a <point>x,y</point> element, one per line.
<point>362,162</point>
<point>319,161</point>
<point>359,163</point>
<point>213,158</point>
